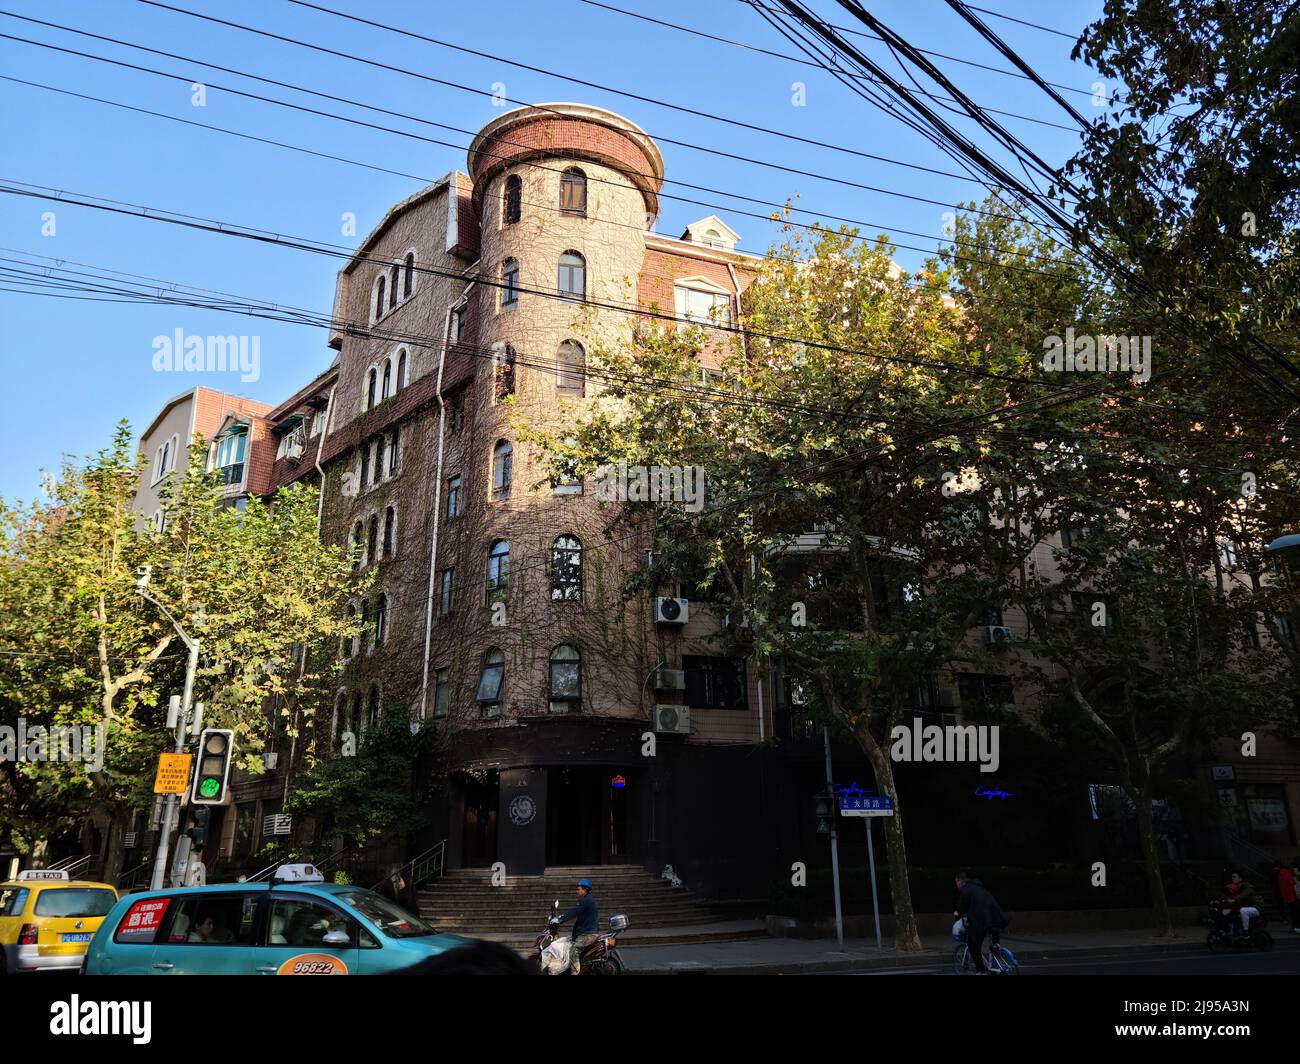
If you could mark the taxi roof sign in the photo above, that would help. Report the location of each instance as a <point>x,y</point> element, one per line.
<point>298,873</point>
<point>42,873</point>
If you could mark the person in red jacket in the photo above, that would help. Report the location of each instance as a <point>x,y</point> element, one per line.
<point>1286,889</point>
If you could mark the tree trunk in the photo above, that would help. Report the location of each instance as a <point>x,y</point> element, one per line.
<point>118,821</point>
<point>1151,858</point>
<point>907,936</point>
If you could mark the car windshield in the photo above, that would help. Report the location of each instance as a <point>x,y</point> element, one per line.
<point>74,902</point>
<point>392,920</point>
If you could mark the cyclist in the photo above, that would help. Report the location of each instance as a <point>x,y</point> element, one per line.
<point>982,915</point>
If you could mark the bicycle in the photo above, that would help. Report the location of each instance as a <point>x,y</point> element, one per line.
<point>999,960</point>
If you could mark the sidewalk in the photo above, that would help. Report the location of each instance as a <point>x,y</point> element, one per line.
<point>754,956</point>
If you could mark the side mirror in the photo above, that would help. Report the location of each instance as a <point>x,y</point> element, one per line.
<point>336,938</point>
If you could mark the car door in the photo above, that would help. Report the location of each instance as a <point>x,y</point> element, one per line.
<point>304,934</point>
<point>209,933</point>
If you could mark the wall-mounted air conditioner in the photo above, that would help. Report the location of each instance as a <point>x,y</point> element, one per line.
<point>672,720</point>
<point>672,611</point>
<point>670,679</point>
<point>996,633</point>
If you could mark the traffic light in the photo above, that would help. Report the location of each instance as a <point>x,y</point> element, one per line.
<point>199,819</point>
<point>216,749</point>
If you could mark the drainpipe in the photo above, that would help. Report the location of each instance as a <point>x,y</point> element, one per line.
<point>320,503</point>
<point>744,346</point>
<point>437,490</point>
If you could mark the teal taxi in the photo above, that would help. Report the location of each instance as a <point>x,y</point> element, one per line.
<point>295,924</point>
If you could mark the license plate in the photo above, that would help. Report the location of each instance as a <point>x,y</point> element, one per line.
<point>80,936</point>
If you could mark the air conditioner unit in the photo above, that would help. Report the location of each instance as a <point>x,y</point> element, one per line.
<point>270,759</point>
<point>294,451</point>
<point>128,840</point>
<point>670,679</point>
<point>672,720</point>
<point>672,611</point>
<point>996,633</point>
<point>351,484</point>
<point>730,620</point>
<point>277,824</point>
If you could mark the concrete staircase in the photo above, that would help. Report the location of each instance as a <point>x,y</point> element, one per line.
<point>466,902</point>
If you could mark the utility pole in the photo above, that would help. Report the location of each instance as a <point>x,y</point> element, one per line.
<point>182,724</point>
<point>835,848</point>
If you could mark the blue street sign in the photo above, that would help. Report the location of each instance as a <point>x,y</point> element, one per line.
<point>864,805</point>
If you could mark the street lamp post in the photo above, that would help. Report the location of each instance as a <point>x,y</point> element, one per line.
<point>191,667</point>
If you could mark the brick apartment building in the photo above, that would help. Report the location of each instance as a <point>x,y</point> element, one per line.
<point>496,611</point>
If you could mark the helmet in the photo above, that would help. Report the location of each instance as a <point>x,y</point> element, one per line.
<point>585,883</point>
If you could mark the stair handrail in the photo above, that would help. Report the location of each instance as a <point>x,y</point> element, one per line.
<point>134,877</point>
<point>1245,844</point>
<point>421,868</point>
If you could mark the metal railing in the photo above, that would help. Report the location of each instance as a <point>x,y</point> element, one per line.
<point>135,878</point>
<point>74,866</point>
<point>428,865</point>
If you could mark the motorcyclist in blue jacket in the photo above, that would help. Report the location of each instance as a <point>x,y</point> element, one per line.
<point>586,923</point>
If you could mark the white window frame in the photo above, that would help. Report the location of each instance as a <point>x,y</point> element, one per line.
<point>684,287</point>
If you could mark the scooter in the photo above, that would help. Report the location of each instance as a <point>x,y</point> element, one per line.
<point>1225,932</point>
<point>599,958</point>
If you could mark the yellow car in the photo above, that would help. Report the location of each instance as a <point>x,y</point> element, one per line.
<point>47,920</point>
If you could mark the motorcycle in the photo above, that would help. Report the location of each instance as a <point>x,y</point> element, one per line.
<point>1226,934</point>
<point>599,958</point>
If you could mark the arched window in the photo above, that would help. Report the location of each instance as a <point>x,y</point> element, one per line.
<point>373,711</point>
<point>357,544</point>
<point>388,380</point>
<point>509,283</point>
<point>380,293</point>
<point>390,529</point>
<point>381,618</point>
<point>573,191</point>
<point>498,572</point>
<point>409,280</point>
<point>573,276</point>
<point>512,201</point>
<point>401,369</point>
<point>492,679</point>
<point>372,383</point>
<point>566,569</point>
<point>392,288</point>
<point>503,372</point>
<point>566,679</point>
<point>503,472</point>
<point>571,369</point>
<point>372,541</point>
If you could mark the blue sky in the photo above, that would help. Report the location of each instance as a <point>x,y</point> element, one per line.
<point>73,369</point>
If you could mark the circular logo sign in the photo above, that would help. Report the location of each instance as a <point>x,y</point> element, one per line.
<point>522,810</point>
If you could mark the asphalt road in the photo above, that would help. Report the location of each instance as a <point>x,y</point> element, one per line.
<point>1283,960</point>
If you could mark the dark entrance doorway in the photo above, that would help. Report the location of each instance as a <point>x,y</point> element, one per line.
<point>479,842</point>
<point>586,816</point>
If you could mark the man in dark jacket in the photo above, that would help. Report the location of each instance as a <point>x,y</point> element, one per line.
<point>586,923</point>
<point>982,914</point>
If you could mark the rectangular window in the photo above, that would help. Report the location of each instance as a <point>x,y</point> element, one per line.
<point>697,306</point>
<point>510,284</point>
<point>441,691</point>
<point>230,457</point>
<point>457,324</point>
<point>453,497</point>
<point>489,684</point>
<point>394,450</point>
<point>457,413</point>
<point>447,598</point>
<point>715,683</point>
<point>980,691</point>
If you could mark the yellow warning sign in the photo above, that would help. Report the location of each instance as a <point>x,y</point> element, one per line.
<point>173,774</point>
